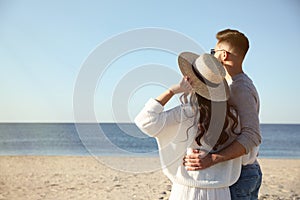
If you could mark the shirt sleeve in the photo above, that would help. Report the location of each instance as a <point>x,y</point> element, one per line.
<point>247,105</point>
<point>152,118</point>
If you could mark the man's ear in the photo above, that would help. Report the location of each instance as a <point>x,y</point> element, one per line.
<point>225,55</point>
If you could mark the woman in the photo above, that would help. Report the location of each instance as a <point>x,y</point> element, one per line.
<point>205,122</point>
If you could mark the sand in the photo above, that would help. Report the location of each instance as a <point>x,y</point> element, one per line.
<point>72,177</point>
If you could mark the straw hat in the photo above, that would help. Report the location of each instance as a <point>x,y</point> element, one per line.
<point>207,75</point>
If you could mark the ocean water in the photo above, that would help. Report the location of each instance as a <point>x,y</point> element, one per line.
<point>279,140</point>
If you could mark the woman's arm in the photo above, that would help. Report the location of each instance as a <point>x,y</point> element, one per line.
<point>165,97</point>
<point>183,87</point>
<point>152,119</point>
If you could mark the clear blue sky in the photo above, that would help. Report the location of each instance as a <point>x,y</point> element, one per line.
<point>44,43</point>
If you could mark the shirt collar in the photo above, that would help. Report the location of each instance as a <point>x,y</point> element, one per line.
<point>238,76</point>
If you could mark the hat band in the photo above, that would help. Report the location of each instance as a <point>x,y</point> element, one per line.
<point>203,79</point>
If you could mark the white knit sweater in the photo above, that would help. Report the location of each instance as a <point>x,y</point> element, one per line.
<point>170,130</point>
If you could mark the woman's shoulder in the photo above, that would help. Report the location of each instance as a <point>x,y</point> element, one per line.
<point>189,111</point>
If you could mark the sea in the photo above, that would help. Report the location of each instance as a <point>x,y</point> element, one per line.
<point>119,139</point>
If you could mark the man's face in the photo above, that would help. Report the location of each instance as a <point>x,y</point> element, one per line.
<point>218,52</point>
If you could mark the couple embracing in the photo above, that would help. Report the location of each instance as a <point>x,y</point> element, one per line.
<point>208,145</point>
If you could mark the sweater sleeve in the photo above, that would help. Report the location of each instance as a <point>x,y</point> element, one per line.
<point>247,105</point>
<point>152,118</point>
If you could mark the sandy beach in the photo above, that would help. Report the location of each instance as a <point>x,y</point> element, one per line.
<point>72,177</point>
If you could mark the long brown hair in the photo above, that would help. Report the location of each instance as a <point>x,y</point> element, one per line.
<point>204,108</point>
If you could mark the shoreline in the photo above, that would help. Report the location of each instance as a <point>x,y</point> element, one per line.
<point>137,155</point>
<point>85,177</point>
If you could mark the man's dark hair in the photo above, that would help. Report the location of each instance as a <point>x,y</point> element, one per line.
<point>235,39</point>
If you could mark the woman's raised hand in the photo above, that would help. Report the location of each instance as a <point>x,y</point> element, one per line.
<point>184,86</point>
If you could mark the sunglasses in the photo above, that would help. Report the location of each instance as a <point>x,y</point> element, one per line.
<point>213,51</point>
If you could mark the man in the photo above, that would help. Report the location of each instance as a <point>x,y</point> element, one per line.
<point>231,50</point>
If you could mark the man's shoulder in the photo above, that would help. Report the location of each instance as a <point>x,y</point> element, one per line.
<point>243,89</point>
<point>242,77</point>
<point>242,82</point>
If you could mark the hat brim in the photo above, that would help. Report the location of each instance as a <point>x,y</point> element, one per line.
<point>216,93</point>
